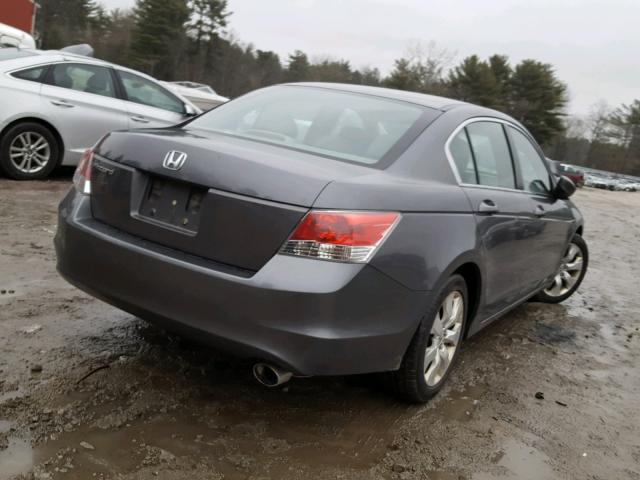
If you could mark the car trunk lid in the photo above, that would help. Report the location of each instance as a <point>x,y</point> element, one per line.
<point>233,201</point>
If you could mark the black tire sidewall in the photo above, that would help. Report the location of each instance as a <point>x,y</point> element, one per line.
<point>541,296</point>
<point>416,388</point>
<point>7,166</point>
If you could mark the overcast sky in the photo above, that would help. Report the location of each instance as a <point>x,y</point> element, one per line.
<point>593,44</point>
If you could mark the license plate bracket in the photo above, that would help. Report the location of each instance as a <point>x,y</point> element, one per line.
<point>172,203</point>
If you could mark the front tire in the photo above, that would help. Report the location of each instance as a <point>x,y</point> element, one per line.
<point>435,346</point>
<point>28,151</point>
<point>572,270</point>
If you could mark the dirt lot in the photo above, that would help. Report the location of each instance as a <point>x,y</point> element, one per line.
<point>160,407</point>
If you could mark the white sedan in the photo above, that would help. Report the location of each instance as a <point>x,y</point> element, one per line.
<point>55,105</point>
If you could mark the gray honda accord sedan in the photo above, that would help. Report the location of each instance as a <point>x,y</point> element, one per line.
<point>325,229</point>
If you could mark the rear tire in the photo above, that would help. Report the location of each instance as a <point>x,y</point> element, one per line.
<point>559,289</point>
<point>28,151</point>
<point>421,375</point>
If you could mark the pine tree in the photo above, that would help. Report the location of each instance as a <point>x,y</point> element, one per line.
<point>159,39</point>
<point>298,68</point>
<point>114,45</point>
<point>404,76</point>
<point>60,23</point>
<point>625,125</point>
<point>367,76</point>
<point>538,99</point>
<point>331,71</point>
<point>474,81</point>
<point>268,68</point>
<point>501,70</point>
<point>208,18</point>
<point>624,131</point>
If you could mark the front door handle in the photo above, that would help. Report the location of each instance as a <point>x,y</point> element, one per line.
<point>539,211</point>
<point>488,207</point>
<point>62,103</point>
<point>136,118</point>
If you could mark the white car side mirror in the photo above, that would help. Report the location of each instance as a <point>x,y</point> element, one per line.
<point>190,111</point>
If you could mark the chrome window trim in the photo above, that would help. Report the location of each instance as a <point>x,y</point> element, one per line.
<point>454,168</point>
<point>50,62</point>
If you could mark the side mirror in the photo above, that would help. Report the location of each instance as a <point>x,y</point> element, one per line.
<point>564,188</point>
<point>189,111</point>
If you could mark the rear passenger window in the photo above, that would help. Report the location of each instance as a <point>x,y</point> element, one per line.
<point>491,153</point>
<point>463,158</point>
<point>83,78</point>
<point>535,176</point>
<point>32,74</point>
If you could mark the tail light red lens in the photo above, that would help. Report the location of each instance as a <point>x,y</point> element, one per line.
<point>340,236</point>
<point>82,175</point>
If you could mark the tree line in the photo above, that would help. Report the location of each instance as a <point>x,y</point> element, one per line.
<point>607,139</point>
<point>188,40</point>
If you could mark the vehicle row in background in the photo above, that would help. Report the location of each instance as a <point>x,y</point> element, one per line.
<point>56,104</point>
<point>201,95</point>
<point>608,182</point>
<point>595,178</point>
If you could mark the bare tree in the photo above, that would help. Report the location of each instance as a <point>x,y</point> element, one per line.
<point>597,121</point>
<point>577,127</point>
<point>422,68</point>
<point>430,59</point>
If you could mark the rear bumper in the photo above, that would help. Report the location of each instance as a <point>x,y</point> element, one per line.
<point>311,317</point>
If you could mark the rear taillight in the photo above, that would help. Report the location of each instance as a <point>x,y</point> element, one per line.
<point>340,236</point>
<point>82,176</point>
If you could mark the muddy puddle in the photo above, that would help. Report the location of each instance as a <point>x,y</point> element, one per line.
<point>518,460</point>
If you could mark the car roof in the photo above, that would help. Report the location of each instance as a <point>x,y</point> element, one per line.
<point>32,57</point>
<point>57,55</point>
<point>25,57</point>
<point>431,101</point>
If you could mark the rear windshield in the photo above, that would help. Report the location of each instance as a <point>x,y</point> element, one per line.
<point>347,126</point>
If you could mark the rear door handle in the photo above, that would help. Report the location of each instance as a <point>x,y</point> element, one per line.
<point>62,103</point>
<point>136,118</point>
<point>488,207</point>
<point>539,211</point>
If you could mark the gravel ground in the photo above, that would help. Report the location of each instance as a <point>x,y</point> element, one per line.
<point>88,391</point>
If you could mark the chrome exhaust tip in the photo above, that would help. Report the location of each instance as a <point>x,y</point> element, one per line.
<point>269,375</point>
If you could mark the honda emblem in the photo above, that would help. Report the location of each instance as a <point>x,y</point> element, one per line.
<point>174,160</point>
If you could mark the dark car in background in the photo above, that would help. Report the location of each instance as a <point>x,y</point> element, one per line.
<point>325,229</point>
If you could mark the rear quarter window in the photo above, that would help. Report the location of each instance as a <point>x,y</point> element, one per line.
<point>34,74</point>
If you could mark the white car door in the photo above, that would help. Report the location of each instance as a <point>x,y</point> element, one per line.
<point>82,100</point>
<point>149,104</point>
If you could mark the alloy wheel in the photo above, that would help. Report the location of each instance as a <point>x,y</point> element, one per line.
<point>444,338</point>
<point>569,273</point>
<point>30,152</point>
